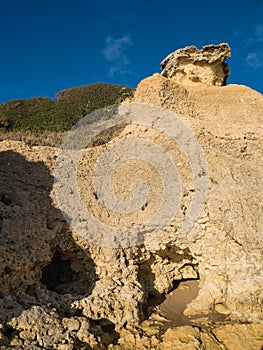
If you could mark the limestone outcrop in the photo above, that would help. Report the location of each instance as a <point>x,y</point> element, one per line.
<point>190,65</point>
<point>198,290</point>
<point>231,227</point>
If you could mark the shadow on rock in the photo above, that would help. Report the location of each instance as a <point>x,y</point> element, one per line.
<point>152,297</point>
<point>41,266</point>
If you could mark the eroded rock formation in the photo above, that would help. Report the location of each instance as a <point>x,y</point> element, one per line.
<point>189,291</point>
<point>230,229</point>
<point>190,65</point>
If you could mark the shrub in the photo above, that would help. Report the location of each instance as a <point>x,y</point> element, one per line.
<point>40,115</point>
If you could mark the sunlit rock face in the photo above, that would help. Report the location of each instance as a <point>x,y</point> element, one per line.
<point>198,290</point>
<point>190,65</point>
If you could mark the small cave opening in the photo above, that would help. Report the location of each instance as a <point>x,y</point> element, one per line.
<point>181,291</point>
<point>106,325</point>
<point>57,273</point>
<point>105,328</point>
<point>9,332</point>
<point>153,299</point>
<point>6,199</point>
<point>61,277</point>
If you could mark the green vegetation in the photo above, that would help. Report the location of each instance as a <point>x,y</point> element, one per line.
<point>37,116</point>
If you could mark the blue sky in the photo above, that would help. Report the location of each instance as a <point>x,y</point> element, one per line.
<point>47,46</point>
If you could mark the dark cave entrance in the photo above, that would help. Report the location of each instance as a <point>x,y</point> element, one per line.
<point>62,277</point>
<point>57,273</point>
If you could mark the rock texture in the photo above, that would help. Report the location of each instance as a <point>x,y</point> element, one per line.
<point>227,240</point>
<point>202,290</point>
<point>190,65</point>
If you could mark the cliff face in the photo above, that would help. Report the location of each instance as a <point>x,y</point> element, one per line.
<point>228,238</point>
<point>60,291</point>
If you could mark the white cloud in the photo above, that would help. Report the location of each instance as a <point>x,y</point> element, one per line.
<point>256,37</point>
<point>115,52</point>
<point>254,60</point>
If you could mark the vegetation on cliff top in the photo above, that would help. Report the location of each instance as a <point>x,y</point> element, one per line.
<point>42,114</point>
<point>41,121</point>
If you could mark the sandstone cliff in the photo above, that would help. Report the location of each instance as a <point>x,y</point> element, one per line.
<point>198,290</point>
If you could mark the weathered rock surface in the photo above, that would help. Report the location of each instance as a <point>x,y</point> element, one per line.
<point>201,290</point>
<point>226,241</point>
<point>230,337</point>
<point>190,65</point>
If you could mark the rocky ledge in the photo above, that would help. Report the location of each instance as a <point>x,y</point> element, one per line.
<point>190,65</point>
